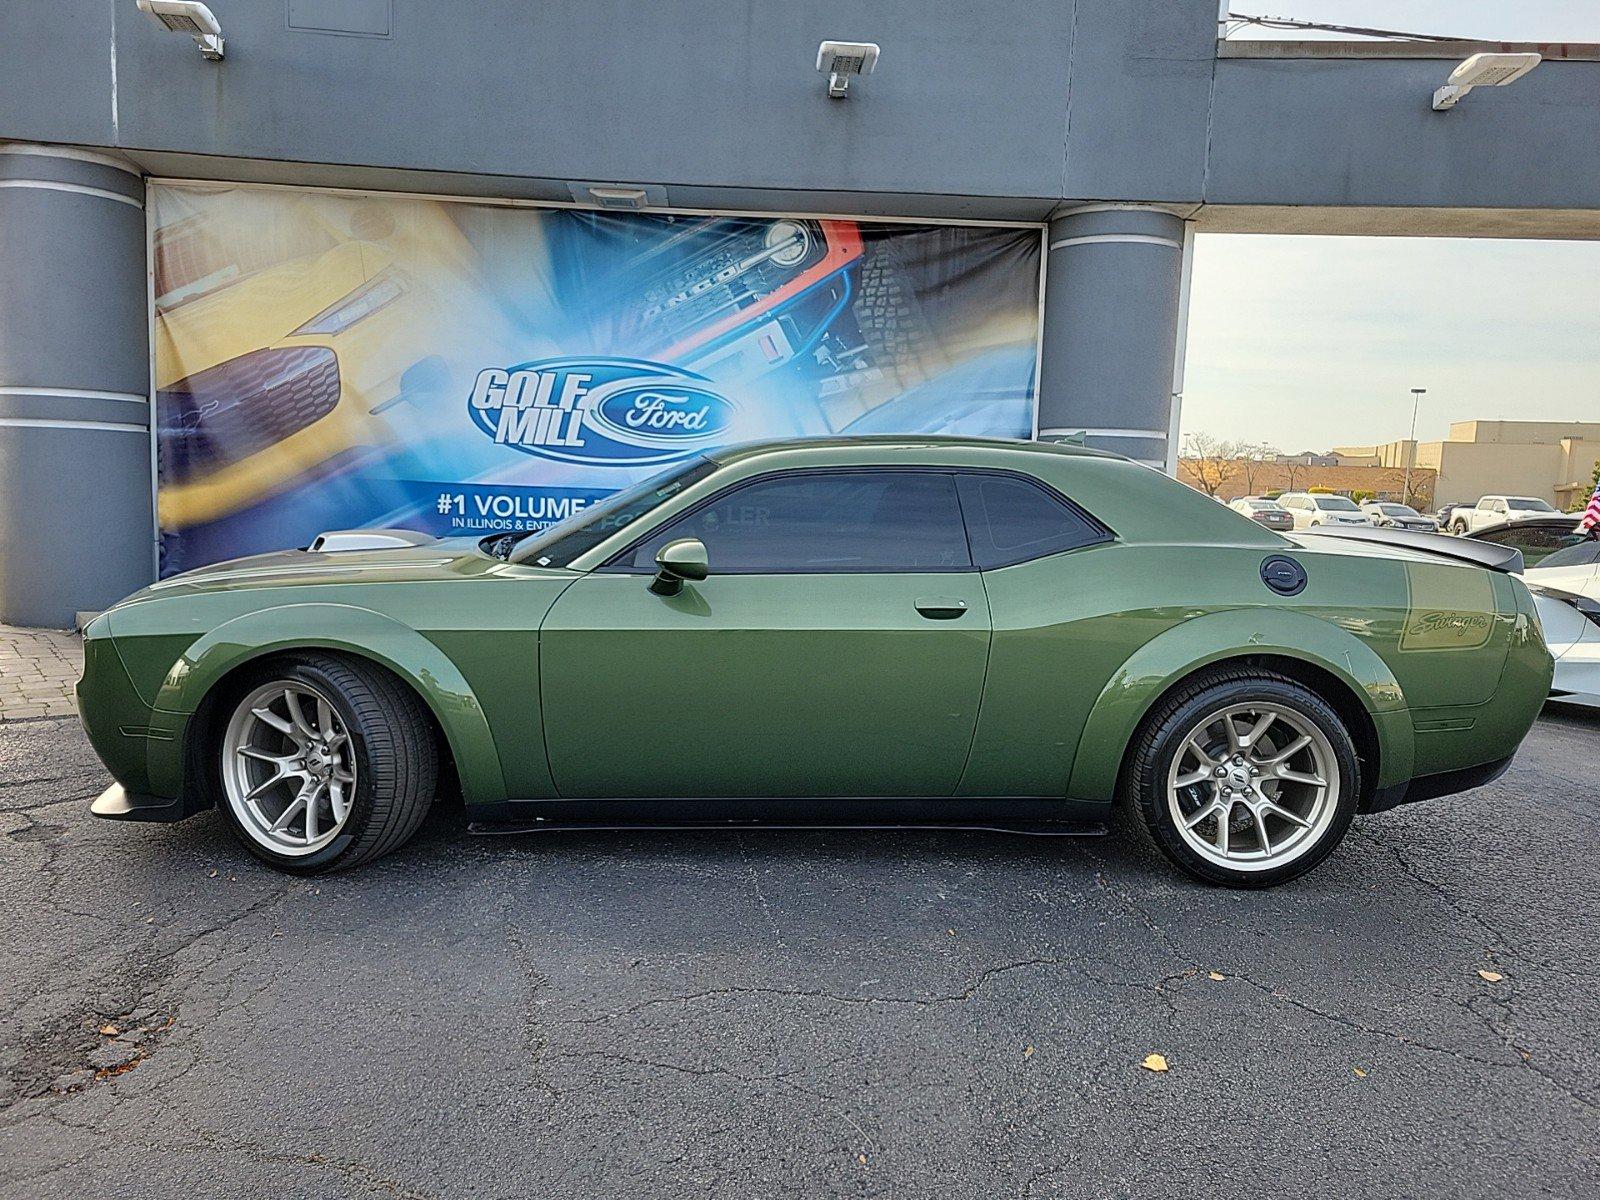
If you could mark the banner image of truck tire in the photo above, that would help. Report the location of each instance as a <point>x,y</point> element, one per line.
<point>326,360</point>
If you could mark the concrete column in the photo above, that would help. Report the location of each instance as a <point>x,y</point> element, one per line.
<point>1114,305</point>
<point>76,526</point>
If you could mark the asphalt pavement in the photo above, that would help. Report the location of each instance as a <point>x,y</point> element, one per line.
<point>860,1013</point>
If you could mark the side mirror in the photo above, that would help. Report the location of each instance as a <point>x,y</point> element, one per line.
<point>677,561</point>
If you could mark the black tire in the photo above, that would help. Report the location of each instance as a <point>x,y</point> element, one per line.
<point>1166,728</point>
<point>395,754</point>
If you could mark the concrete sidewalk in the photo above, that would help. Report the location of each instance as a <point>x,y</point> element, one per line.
<point>38,669</point>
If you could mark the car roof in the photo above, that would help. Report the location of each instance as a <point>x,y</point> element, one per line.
<point>1558,521</point>
<point>743,451</point>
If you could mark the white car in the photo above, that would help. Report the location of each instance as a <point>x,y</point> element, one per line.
<point>1311,509</point>
<point>1497,510</point>
<point>1563,573</point>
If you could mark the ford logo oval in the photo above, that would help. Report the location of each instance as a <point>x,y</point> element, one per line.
<point>664,411</point>
<point>604,411</point>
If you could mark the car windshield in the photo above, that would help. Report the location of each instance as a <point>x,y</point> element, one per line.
<point>1527,504</point>
<point>558,545</point>
<point>1398,510</point>
<point>1336,503</point>
<point>1264,505</point>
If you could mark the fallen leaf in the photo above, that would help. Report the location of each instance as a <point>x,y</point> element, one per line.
<point>110,1030</point>
<point>1154,1062</point>
<point>1360,1074</point>
<point>1028,1053</point>
<point>862,1159</point>
<point>1491,976</point>
<point>1216,975</point>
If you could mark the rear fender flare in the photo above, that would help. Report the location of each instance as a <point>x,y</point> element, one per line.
<point>1215,638</point>
<point>358,632</point>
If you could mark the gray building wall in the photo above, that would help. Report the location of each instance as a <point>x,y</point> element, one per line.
<point>979,109</point>
<point>75,519</point>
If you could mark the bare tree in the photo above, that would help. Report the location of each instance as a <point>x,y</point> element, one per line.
<point>1213,461</point>
<point>1253,457</point>
<point>1293,472</point>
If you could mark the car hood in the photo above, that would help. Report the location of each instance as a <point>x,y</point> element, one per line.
<point>454,558</point>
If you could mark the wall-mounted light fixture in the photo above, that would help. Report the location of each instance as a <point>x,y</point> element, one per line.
<point>187,16</point>
<point>840,60</point>
<point>1482,70</point>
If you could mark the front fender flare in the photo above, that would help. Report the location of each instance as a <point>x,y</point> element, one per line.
<point>348,630</point>
<point>1238,633</point>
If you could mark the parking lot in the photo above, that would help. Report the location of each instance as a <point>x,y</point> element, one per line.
<point>771,1014</point>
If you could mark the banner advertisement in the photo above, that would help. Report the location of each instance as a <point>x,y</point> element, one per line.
<point>326,361</point>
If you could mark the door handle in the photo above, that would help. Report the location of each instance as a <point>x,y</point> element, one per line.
<point>941,608</point>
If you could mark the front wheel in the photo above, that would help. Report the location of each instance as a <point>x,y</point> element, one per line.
<point>1245,778</point>
<point>324,762</point>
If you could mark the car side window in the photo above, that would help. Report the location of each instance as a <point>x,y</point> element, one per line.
<point>1011,520</point>
<point>823,522</point>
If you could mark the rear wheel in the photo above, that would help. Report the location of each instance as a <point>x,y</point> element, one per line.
<point>1246,778</point>
<point>325,763</point>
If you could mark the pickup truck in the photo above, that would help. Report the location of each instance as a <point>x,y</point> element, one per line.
<point>1497,510</point>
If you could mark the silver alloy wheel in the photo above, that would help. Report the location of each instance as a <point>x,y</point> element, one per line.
<point>288,768</point>
<point>1253,786</point>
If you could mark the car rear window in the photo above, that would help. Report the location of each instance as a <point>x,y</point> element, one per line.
<point>1012,520</point>
<point>1581,553</point>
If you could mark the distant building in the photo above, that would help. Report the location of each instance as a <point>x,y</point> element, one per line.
<point>1310,458</point>
<point>1553,460</point>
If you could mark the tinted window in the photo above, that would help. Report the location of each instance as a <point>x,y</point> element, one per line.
<point>1539,543</point>
<point>817,522</point>
<point>1011,520</point>
<point>1335,504</point>
<point>1580,553</point>
<point>1524,504</point>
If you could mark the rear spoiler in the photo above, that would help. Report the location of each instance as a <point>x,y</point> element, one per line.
<point>1444,545</point>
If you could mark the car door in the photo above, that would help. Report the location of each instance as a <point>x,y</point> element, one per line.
<point>836,648</point>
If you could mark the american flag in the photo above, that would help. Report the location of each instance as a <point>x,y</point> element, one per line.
<point>1591,515</point>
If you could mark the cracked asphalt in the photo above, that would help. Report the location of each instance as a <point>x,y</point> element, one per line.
<point>822,1014</point>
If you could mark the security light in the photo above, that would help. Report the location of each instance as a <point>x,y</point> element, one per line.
<point>619,197</point>
<point>187,16</point>
<point>840,60</point>
<point>1482,70</point>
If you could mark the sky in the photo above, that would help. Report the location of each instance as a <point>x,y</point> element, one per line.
<point>1312,342</point>
<point>1492,20</point>
<point>1307,343</point>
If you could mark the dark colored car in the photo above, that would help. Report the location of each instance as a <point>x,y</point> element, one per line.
<point>1264,512</point>
<point>1388,514</point>
<point>1537,538</point>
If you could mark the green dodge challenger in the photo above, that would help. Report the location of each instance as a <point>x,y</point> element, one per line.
<point>908,630</point>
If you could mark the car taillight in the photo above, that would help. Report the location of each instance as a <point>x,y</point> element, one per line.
<point>1589,607</point>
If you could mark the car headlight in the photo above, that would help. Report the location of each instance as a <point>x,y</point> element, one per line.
<point>357,306</point>
<point>1588,606</point>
